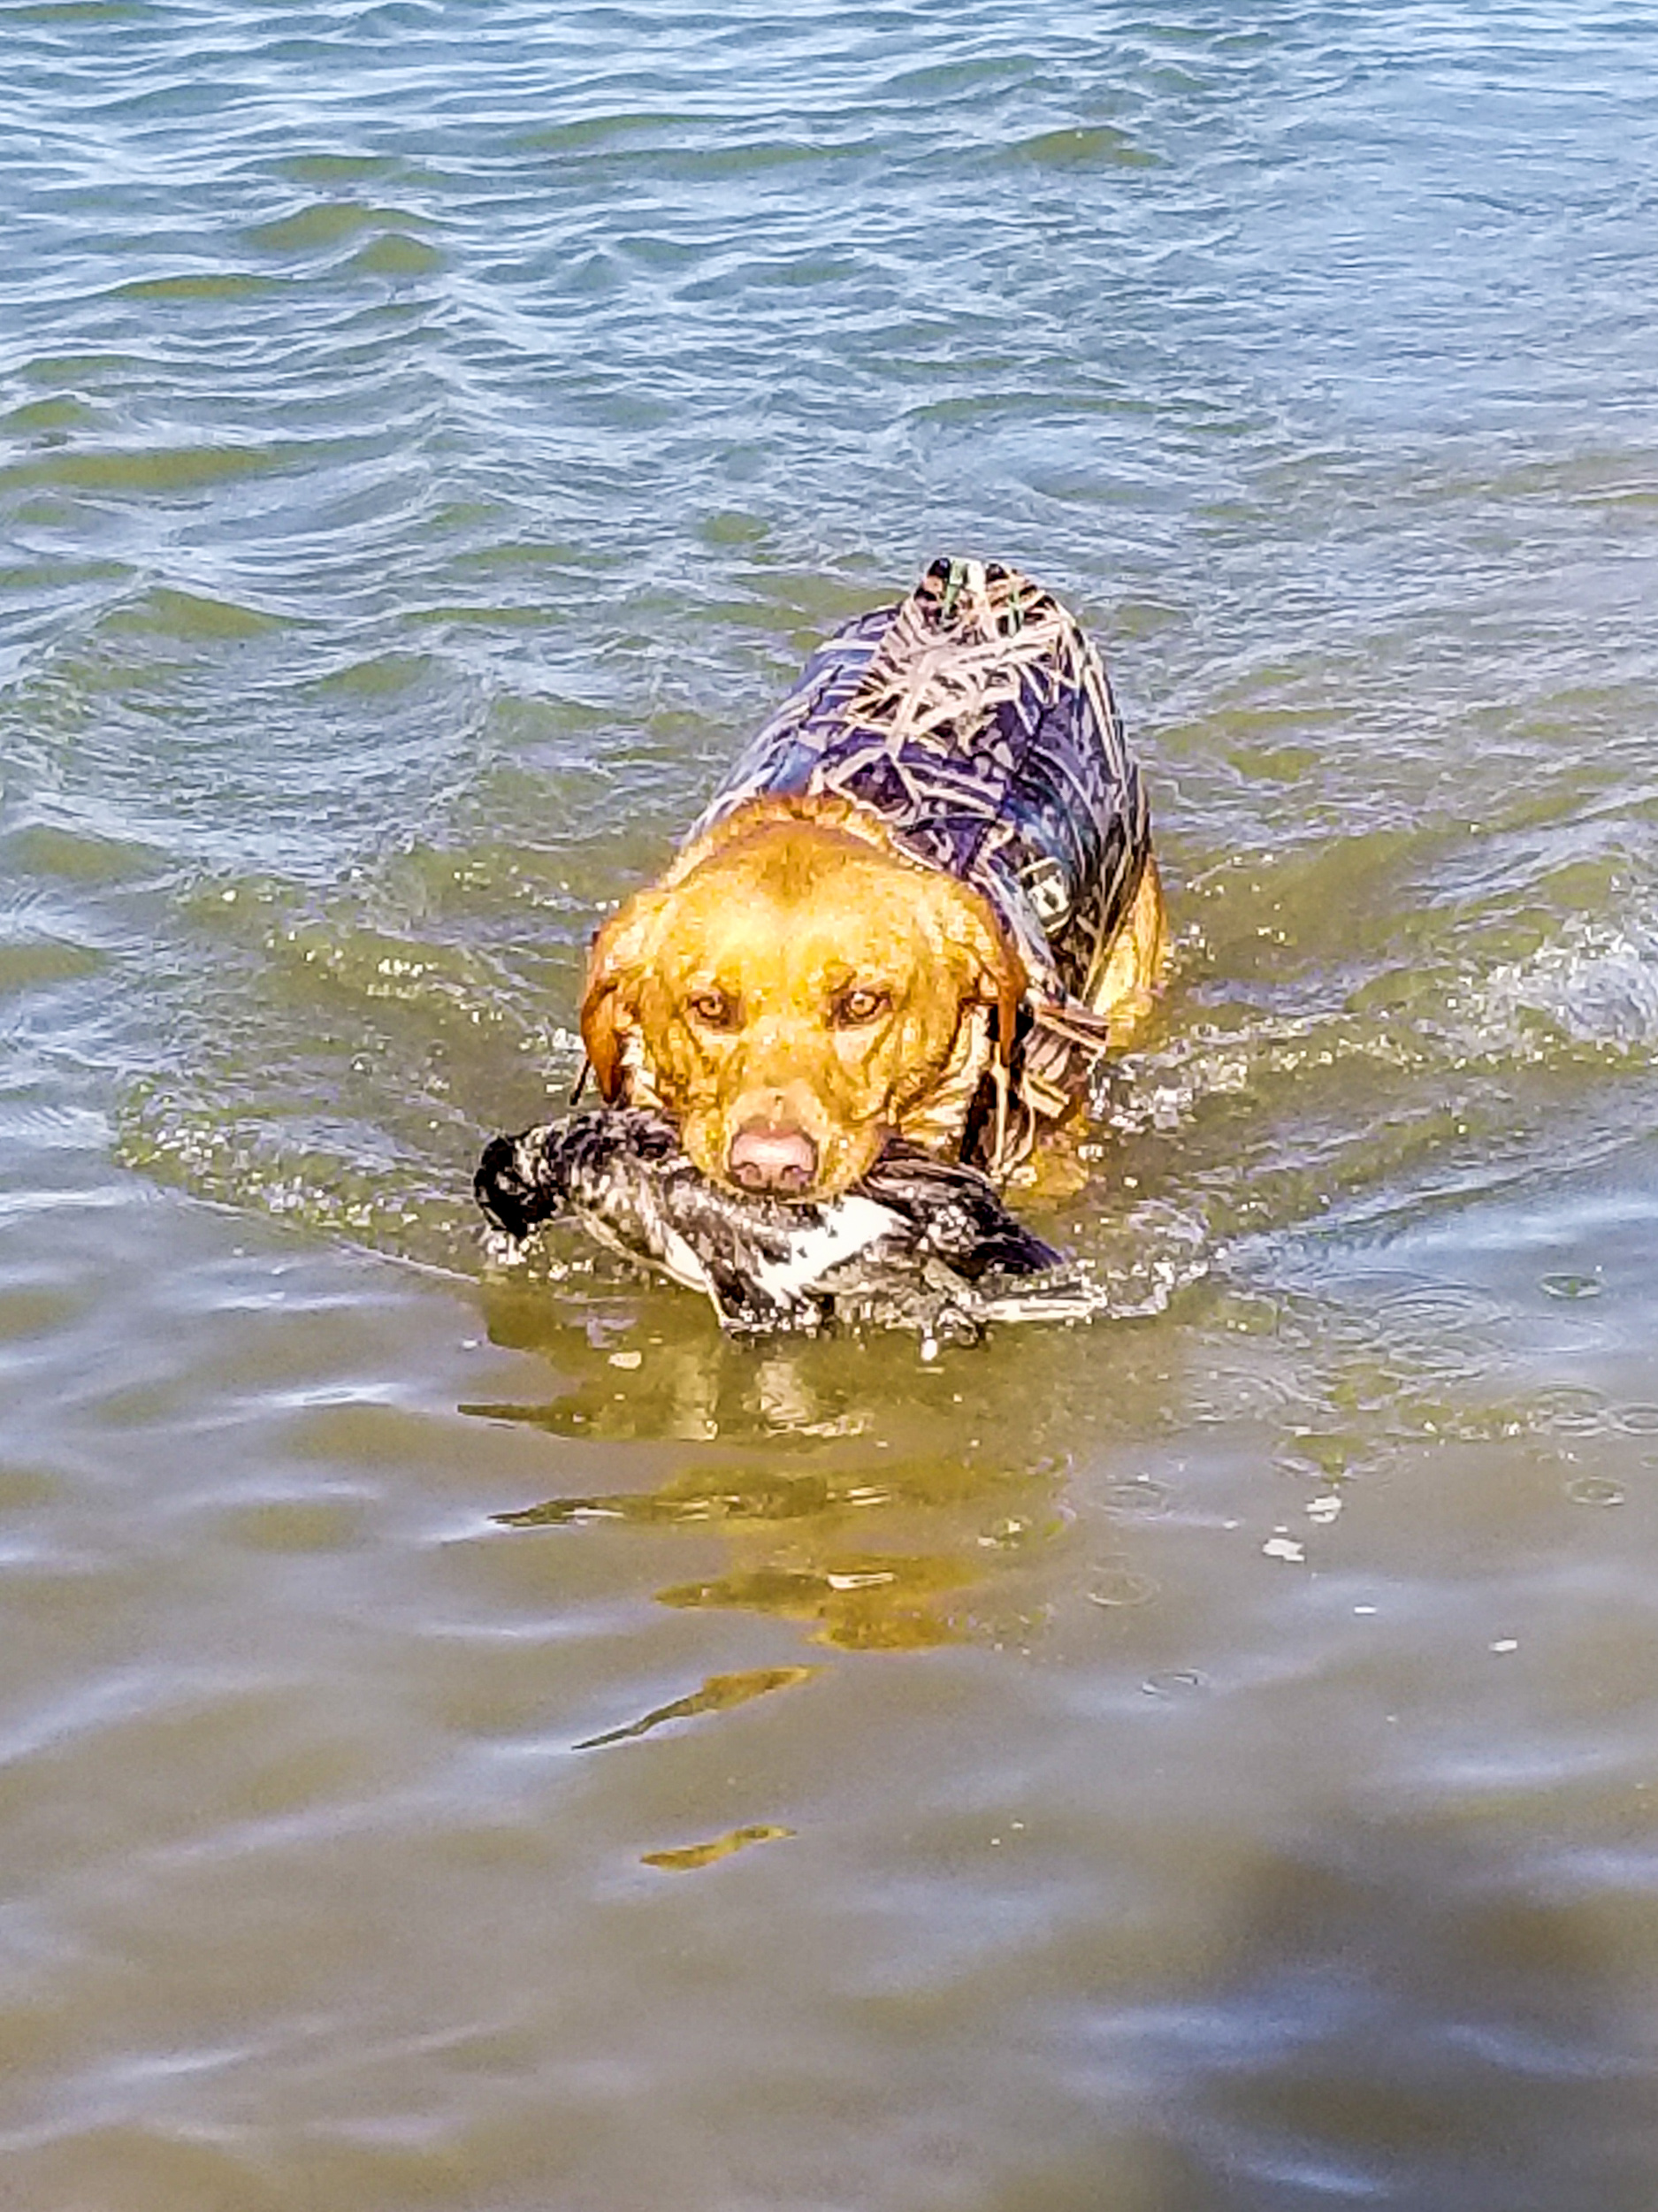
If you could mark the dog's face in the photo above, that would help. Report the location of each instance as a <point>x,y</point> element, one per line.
<point>788,997</point>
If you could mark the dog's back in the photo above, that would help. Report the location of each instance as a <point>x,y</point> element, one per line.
<point>974,723</point>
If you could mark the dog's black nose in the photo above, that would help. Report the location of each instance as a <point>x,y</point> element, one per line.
<point>773,1155</point>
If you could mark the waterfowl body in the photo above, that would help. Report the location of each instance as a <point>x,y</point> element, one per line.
<point>919,1243</point>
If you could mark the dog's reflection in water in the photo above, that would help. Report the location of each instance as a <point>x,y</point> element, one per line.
<point>864,1563</point>
<point>871,1542</point>
<point>647,1367</point>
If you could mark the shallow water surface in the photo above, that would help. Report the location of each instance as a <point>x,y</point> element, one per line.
<point>481,1739</point>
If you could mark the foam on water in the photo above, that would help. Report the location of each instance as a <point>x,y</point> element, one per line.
<point>1594,982</point>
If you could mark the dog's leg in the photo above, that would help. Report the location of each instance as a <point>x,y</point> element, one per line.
<point>1124,984</point>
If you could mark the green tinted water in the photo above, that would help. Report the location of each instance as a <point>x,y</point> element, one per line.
<point>1203,1760</point>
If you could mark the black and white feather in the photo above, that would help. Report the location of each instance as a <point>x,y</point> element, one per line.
<point>920,1242</point>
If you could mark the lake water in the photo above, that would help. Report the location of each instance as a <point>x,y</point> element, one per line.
<point>1203,1760</point>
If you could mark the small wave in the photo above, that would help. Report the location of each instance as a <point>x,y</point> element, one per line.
<point>1138,1264</point>
<point>1596,982</point>
<point>213,1155</point>
<point>1099,146</point>
<point>318,226</point>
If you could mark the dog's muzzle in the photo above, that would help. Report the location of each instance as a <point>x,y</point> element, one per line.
<point>776,1157</point>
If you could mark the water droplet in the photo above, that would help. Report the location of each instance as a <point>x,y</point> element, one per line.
<point>1141,1496</point>
<point>1593,1490</point>
<point>1571,1407</point>
<point>1571,1286</point>
<point>1174,1681</point>
<point>1007,1534</point>
<point>1120,1585</point>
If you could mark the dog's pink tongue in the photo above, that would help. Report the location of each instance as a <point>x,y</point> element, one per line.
<point>773,1155</point>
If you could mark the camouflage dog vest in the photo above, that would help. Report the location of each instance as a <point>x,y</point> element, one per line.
<point>975,723</point>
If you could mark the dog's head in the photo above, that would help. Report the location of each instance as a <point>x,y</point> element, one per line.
<point>787,993</point>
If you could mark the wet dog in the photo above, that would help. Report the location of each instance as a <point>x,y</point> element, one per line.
<point>923,907</point>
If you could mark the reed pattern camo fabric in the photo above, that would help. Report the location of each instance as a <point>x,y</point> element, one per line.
<point>976,721</point>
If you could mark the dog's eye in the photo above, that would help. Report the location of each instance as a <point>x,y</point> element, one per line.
<point>858,1003</point>
<point>714,1010</point>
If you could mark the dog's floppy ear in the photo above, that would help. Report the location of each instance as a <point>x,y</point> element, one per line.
<point>1006,983</point>
<point>992,971</point>
<point>1002,984</point>
<point>617,970</point>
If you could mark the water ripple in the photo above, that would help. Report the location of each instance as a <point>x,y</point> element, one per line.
<point>431,436</point>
